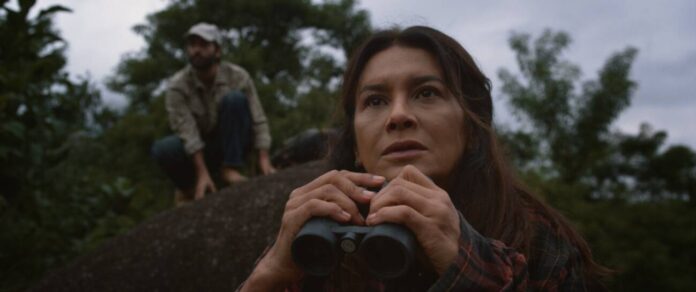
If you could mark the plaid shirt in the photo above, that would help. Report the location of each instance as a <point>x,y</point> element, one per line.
<point>485,264</point>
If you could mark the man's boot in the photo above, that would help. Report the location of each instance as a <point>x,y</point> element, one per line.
<point>231,176</point>
<point>182,198</point>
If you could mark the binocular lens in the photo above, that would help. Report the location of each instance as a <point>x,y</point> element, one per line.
<point>385,257</point>
<point>389,251</point>
<point>314,254</point>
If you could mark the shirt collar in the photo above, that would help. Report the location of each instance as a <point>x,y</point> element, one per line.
<point>219,78</point>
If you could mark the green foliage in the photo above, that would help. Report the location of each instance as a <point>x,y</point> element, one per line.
<point>58,198</point>
<point>622,190</point>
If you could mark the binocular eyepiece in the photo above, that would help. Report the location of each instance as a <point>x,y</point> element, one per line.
<point>388,249</point>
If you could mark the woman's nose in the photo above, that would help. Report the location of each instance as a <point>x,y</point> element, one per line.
<point>400,117</point>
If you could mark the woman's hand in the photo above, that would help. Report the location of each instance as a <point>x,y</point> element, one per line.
<point>332,195</point>
<point>415,201</point>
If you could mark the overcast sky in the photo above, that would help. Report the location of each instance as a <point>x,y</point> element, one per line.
<point>99,33</point>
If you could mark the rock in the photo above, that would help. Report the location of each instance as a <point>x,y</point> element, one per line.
<point>310,145</point>
<point>209,245</point>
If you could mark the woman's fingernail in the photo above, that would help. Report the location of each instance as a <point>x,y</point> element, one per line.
<point>368,193</point>
<point>370,217</point>
<point>345,215</point>
<point>378,178</point>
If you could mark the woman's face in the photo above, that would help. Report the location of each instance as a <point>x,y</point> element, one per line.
<point>405,114</point>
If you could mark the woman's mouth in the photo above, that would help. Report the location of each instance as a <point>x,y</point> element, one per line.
<point>404,150</point>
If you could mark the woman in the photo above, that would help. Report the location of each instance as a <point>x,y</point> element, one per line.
<point>419,115</point>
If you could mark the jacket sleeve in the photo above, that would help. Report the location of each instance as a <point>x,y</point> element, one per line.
<point>182,122</point>
<point>485,264</point>
<point>262,135</point>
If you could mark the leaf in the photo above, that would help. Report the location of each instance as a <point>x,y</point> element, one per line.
<point>53,9</point>
<point>15,128</point>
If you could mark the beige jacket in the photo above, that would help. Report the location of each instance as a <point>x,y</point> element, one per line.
<point>193,109</point>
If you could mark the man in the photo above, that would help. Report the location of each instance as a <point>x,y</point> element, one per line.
<point>214,110</point>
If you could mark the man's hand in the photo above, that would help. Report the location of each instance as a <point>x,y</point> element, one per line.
<point>203,180</point>
<point>265,162</point>
<point>204,183</point>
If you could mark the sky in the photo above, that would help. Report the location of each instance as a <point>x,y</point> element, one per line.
<point>99,33</point>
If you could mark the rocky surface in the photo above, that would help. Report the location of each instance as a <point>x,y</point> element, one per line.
<point>210,245</point>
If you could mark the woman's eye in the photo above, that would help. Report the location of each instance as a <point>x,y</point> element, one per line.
<point>426,93</point>
<point>374,101</point>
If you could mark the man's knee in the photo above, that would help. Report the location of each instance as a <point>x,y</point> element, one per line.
<point>165,148</point>
<point>235,100</point>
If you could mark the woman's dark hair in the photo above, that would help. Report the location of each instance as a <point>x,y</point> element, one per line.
<point>486,191</point>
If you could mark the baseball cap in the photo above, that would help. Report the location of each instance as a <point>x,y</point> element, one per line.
<point>206,31</point>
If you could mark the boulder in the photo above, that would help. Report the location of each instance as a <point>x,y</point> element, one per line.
<point>209,245</point>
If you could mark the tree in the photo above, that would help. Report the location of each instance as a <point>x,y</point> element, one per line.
<point>565,123</point>
<point>605,180</point>
<point>51,204</point>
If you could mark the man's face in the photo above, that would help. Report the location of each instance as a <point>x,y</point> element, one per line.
<point>201,53</point>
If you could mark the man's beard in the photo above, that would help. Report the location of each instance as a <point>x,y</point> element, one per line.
<point>201,63</point>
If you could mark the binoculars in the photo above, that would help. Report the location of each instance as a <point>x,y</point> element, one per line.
<point>388,249</point>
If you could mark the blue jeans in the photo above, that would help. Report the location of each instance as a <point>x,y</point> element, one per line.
<point>226,145</point>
